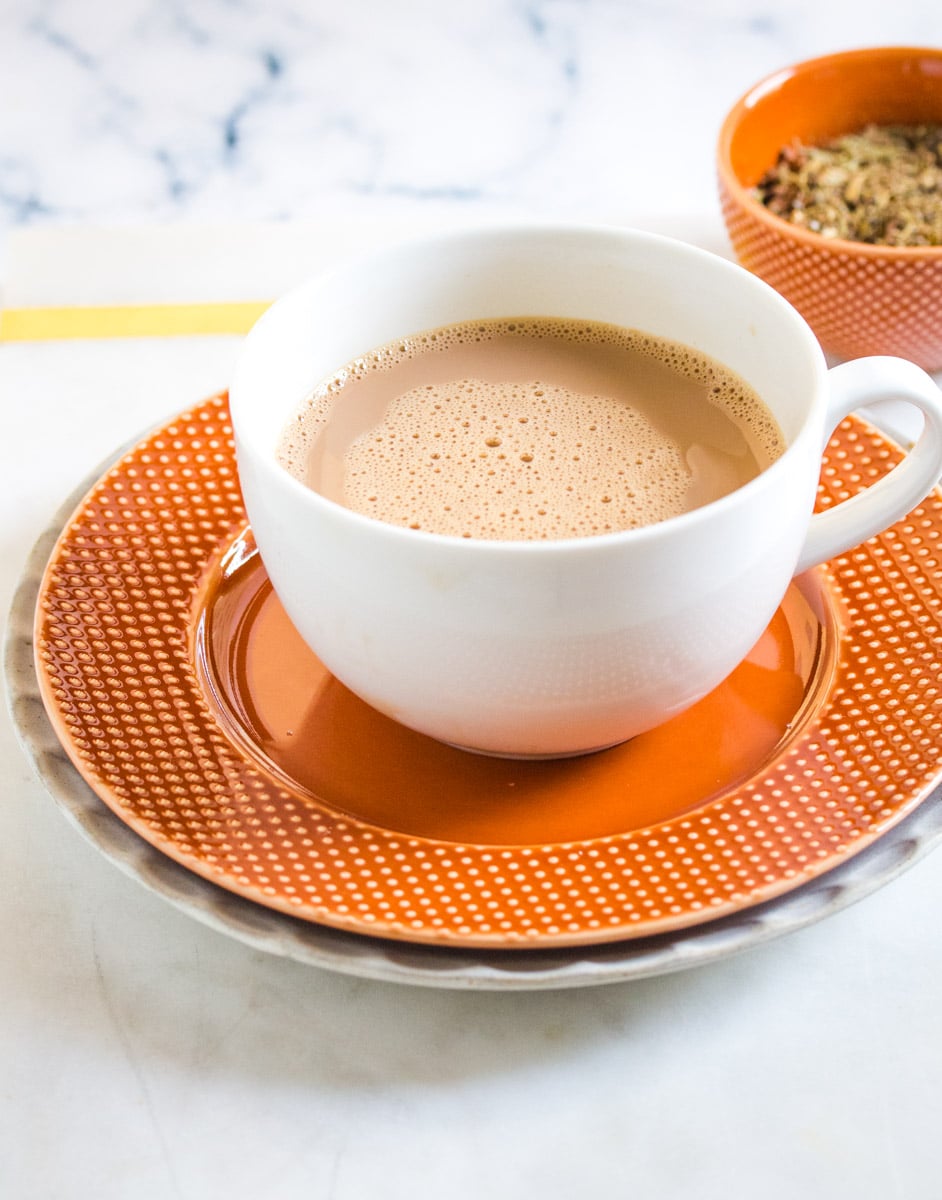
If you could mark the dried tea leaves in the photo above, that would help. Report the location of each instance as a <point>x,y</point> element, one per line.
<point>881,185</point>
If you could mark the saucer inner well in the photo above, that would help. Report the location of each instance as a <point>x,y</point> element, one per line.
<point>299,723</point>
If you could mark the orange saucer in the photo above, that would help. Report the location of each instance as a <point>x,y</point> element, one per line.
<point>189,704</point>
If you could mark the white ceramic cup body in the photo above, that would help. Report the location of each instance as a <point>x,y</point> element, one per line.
<point>562,647</point>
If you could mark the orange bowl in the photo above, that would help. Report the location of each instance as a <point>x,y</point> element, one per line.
<point>858,298</point>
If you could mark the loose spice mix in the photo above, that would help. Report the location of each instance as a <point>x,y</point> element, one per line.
<point>882,185</point>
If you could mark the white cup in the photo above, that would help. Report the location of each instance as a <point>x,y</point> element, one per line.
<point>532,648</point>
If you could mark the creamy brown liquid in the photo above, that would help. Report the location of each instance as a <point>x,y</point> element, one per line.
<point>529,428</point>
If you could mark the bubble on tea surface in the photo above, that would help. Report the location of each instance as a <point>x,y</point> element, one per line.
<point>532,491</point>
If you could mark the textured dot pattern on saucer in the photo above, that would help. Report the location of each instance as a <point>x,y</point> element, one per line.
<point>856,303</point>
<point>117,639</point>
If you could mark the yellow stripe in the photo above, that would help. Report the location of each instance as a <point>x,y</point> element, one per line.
<point>130,320</point>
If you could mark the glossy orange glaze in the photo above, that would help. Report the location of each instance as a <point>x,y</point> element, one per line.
<point>292,715</point>
<point>827,97</point>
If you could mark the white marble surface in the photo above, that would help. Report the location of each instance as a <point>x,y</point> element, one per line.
<point>161,109</point>
<point>143,1055</point>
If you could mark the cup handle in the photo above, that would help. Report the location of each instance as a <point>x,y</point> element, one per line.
<point>853,384</point>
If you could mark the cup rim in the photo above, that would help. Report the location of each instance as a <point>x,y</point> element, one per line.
<point>298,295</point>
<point>743,195</point>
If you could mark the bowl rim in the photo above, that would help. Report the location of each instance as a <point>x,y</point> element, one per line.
<point>779,225</point>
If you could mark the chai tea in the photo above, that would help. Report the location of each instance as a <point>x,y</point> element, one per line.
<point>529,428</point>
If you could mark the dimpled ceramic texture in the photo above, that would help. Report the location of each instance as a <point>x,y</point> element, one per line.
<point>117,646</point>
<point>859,299</point>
